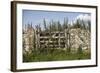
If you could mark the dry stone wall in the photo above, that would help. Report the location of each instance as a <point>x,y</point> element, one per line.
<point>69,38</point>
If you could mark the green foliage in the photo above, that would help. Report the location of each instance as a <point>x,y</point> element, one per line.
<point>89,26</point>
<point>77,24</point>
<point>79,50</point>
<point>65,24</point>
<point>58,26</point>
<point>53,55</point>
<point>44,23</point>
<point>55,25</point>
<point>82,24</point>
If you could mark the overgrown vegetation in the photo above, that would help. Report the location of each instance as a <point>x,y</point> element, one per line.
<point>54,55</point>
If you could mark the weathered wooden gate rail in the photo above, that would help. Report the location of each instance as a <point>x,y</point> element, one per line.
<point>57,39</point>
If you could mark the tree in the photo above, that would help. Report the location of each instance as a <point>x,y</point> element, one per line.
<point>77,24</point>
<point>65,24</point>
<point>54,26</point>
<point>89,25</point>
<point>83,24</point>
<point>44,23</point>
<point>59,26</point>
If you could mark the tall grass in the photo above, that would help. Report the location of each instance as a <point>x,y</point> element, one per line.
<point>54,55</point>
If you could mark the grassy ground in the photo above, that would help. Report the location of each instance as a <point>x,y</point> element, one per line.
<point>54,55</point>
